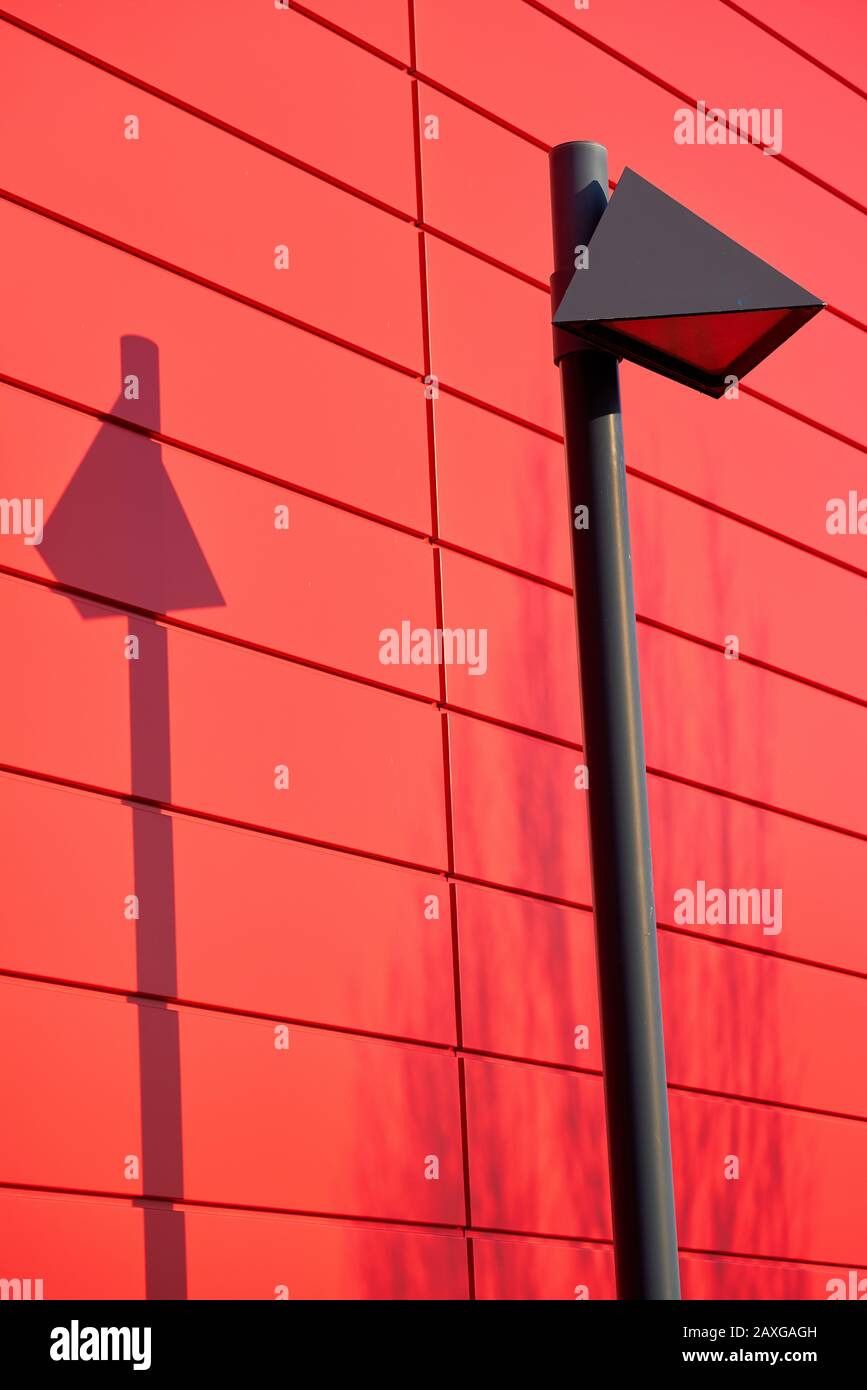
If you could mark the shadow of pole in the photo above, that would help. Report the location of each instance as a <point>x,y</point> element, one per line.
<point>119,530</point>
<point>156,966</point>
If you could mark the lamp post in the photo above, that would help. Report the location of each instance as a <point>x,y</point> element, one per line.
<point>639,1151</point>
<point>640,277</point>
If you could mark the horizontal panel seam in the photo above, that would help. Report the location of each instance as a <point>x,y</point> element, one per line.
<point>347,345</point>
<point>680,95</point>
<point>525,277</point>
<point>197,1203</point>
<point>354,191</point>
<point>225,292</point>
<point>472,715</point>
<point>223,460</point>
<point>801,52</point>
<point>210,118</point>
<point>357,39</point>
<point>396,1224</point>
<point>448,876</point>
<point>558,438</point>
<point>406,1043</point>
<point>262,475</point>
<point>238,640</point>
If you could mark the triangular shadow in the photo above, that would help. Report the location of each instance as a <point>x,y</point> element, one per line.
<point>119,528</point>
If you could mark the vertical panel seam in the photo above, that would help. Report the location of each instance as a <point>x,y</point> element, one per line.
<point>439,603</point>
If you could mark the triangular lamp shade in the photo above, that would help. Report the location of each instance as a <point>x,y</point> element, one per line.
<point>664,288</point>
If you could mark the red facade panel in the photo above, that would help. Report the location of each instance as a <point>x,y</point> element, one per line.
<point>173,192</point>
<point>738,1022</point>
<point>710,52</point>
<point>81,1248</point>
<point>259,923</point>
<point>257,541</point>
<point>471,171</point>
<point>501,354</point>
<point>519,810</point>
<point>500,488</point>
<point>235,1255</point>
<point>538,1138</point>
<point>742,1023</point>
<point>517,1268</point>
<point>214,374</point>
<point>524,670</point>
<point>798,1194</point>
<point>542,1269</point>
<point>706,1277</point>
<point>700,836</point>
<point>707,718</point>
<point>528,978</point>
<point>713,578</point>
<point>325,758</point>
<point>818,375</point>
<point>319,1260</point>
<point>324,1123</point>
<point>279,95</point>
<point>729,452</point>
<point>349,1126</point>
<point>696,571</point>
<point>527,788</point>
<point>827,36</point>
<point>70,1072</point>
<point>384,25</point>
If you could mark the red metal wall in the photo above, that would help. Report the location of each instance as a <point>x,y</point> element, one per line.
<point>414,904</point>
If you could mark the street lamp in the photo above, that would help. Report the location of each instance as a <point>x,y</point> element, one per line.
<point>643,278</point>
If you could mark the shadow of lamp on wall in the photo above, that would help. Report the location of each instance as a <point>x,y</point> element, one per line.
<point>119,530</point>
<point>641,278</point>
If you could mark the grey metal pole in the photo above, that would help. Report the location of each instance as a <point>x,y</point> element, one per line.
<point>636,1104</point>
